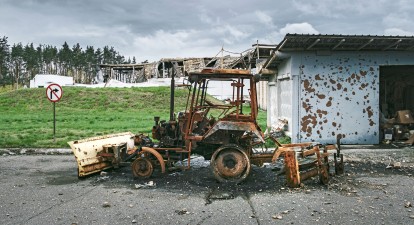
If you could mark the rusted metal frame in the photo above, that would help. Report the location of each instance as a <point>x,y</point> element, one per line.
<point>157,155</point>
<point>90,169</point>
<point>218,106</point>
<point>172,97</point>
<point>203,92</point>
<point>321,168</point>
<point>169,149</point>
<point>308,174</point>
<point>294,176</point>
<point>305,153</point>
<point>105,154</point>
<point>225,112</point>
<point>232,100</point>
<point>253,99</point>
<point>191,113</point>
<point>338,158</point>
<point>188,98</point>
<point>305,144</point>
<point>238,98</point>
<point>280,151</point>
<point>325,156</point>
<point>305,166</point>
<point>190,145</point>
<point>259,159</point>
<point>323,173</point>
<point>292,168</point>
<point>190,124</point>
<point>241,96</point>
<point>242,118</point>
<point>339,163</point>
<point>331,147</point>
<point>275,141</point>
<point>198,93</point>
<point>189,140</point>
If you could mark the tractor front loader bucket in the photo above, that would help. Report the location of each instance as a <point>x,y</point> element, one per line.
<point>98,153</point>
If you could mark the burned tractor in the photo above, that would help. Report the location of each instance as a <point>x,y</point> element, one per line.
<point>224,133</point>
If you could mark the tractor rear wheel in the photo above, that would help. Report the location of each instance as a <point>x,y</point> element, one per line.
<point>230,164</point>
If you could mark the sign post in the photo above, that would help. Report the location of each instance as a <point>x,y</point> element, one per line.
<point>54,93</point>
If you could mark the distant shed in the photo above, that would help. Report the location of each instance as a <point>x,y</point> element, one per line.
<point>43,80</point>
<point>331,87</point>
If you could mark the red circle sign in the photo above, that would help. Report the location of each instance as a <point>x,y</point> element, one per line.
<point>54,92</point>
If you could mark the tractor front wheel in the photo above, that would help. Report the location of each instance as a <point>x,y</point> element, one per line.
<point>142,167</point>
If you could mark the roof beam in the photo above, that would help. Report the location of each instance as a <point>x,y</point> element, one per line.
<point>313,44</point>
<point>281,45</point>
<point>364,45</point>
<point>339,43</point>
<point>393,44</point>
<point>409,48</point>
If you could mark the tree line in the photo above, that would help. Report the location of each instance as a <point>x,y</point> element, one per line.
<point>20,63</point>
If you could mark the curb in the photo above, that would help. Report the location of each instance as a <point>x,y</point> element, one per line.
<point>35,151</point>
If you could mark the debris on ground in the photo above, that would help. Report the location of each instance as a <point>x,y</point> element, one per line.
<point>103,173</point>
<point>397,165</point>
<point>182,212</point>
<point>148,184</point>
<point>277,217</point>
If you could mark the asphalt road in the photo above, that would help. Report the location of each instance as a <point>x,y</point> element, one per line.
<point>44,189</point>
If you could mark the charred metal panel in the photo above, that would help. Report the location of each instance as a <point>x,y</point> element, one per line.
<point>222,132</point>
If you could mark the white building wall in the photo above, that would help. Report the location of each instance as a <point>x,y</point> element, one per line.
<point>332,96</point>
<point>280,96</point>
<point>262,90</point>
<point>43,80</point>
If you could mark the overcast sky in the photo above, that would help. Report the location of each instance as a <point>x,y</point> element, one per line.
<point>154,29</point>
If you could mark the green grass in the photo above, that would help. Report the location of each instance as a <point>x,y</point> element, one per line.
<point>7,88</point>
<point>26,116</point>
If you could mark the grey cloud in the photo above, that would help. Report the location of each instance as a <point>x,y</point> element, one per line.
<point>156,29</point>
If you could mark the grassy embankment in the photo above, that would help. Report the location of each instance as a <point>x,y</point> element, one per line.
<point>26,116</point>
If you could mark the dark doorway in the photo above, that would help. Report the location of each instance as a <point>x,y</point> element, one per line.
<point>396,89</point>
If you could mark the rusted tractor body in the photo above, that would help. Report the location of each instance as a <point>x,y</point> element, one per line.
<point>223,133</point>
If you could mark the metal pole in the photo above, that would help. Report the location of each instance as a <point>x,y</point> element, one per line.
<point>172,89</point>
<point>54,121</point>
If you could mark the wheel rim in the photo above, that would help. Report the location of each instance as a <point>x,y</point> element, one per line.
<point>142,167</point>
<point>230,164</point>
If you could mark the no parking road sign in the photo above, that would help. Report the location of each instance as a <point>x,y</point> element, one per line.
<point>54,92</point>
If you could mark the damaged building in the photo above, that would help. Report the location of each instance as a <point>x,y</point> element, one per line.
<point>138,73</point>
<point>345,87</point>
